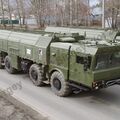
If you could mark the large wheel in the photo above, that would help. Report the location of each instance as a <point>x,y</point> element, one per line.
<point>36,75</point>
<point>59,85</point>
<point>1,66</point>
<point>8,65</point>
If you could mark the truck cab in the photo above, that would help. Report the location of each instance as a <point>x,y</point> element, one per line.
<point>89,64</point>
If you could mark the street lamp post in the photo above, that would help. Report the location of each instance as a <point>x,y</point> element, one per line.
<point>103,13</point>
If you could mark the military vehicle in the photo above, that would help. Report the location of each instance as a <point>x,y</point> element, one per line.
<point>66,61</point>
<point>90,32</point>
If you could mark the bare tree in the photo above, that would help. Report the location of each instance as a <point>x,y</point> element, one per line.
<point>112,10</point>
<point>18,11</point>
<point>46,12</point>
<point>10,12</point>
<point>3,13</point>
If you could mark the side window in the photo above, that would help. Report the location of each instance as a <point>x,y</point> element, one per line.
<point>80,60</point>
<point>83,60</point>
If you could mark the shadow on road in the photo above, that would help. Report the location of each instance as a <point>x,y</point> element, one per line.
<point>110,95</point>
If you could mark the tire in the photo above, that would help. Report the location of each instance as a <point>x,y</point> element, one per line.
<point>36,75</point>
<point>8,65</point>
<point>59,86</point>
<point>1,66</point>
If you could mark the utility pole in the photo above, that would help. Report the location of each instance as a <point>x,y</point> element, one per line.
<point>70,12</point>
<point>103,13</point>
<point>89,13</point>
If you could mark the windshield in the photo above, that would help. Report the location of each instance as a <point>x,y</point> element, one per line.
<point>104,61</point>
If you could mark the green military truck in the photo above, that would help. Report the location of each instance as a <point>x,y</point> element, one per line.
<point>67,62</point>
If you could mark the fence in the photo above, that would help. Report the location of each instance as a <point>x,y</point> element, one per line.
<point>9,21</point>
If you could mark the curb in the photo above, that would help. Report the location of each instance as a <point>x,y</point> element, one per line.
<point>28,110</point>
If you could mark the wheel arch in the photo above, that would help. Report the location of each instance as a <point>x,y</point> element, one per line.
<point>55,70</point>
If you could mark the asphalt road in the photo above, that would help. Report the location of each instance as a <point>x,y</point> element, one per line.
<point>100,105</point>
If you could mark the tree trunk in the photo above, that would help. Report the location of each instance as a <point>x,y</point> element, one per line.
<point>3,13</point>
<point>10,16</point>
<point>18,9</point>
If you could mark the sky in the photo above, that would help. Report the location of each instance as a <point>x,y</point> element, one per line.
<point>96,11</point>
<point>93,2</point>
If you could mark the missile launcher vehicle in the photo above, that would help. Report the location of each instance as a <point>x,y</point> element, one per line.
<point>66,61</point>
